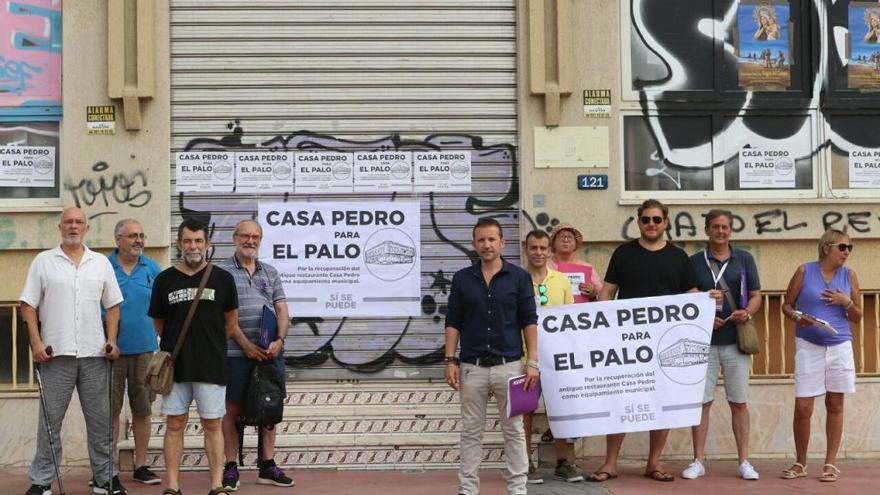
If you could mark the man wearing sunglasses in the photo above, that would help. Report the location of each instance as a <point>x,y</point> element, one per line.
<point>645,267</point>
<point>551,289</point>
<point>491,310</point>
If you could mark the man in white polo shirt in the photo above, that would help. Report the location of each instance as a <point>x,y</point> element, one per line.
<point>66,287</point>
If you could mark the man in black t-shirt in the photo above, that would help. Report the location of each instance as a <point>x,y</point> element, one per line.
<point>645,267</point>
<point>200,368</point>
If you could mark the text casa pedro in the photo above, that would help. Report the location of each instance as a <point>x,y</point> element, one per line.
<point>614,357</point>
<point>338,218</point>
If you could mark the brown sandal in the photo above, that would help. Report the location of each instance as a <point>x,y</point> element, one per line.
<point>658,475</point>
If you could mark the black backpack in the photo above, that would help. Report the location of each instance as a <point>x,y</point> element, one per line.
<point>263,404</point>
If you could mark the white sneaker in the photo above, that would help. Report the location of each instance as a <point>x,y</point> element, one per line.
<point>694,471</point>
<point>747,472</point>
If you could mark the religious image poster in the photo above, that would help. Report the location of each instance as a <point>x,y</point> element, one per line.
<point>763,51</point>
<point>863,67</point>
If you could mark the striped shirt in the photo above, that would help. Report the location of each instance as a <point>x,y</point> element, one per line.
<point>254,291</point>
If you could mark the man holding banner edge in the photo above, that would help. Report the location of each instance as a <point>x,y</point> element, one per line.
<point>645,267</point>
<point>491,309</point>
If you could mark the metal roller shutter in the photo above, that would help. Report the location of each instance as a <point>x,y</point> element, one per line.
<point>355,75</point>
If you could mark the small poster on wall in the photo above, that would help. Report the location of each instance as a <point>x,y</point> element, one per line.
<point>863,69</point>
<point>27,166</point>
<point>864,168</point>
<point>766,169</point>
<point>323,172</point>
<point>205,171</point>
<point>383,171</point>
<point>263,172</point>
<point>763,49</point>
<point>442,171</point>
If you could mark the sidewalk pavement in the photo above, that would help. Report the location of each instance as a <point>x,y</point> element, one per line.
<point>857,477</point>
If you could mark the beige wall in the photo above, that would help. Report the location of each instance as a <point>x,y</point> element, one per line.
<point>137,162</point>
<point>780,234</point>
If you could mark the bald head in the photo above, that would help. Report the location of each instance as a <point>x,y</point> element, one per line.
<point>73,227</point>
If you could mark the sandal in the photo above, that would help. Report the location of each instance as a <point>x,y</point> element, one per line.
<point>832,476</point>
<point>658,475</point>
<point>791,474</point>
<point>172,491</point>
<point>600,476</point>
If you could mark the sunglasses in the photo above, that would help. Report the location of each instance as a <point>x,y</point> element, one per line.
<point>842,246</point>
<point>656,219</point>
<point>542,294</point>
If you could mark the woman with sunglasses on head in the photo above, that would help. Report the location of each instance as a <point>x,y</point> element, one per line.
<point>565,241</point>
<point>823,363</point>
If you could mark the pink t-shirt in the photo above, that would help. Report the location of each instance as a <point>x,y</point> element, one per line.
<point>594,277</point>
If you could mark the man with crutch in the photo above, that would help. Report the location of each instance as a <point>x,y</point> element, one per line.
<point>65,288</point>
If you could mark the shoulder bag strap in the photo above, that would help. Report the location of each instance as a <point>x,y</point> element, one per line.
<point>724,287</point>
<point>192,311</point>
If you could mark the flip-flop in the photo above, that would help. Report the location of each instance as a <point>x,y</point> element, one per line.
<point>658,475</point>
<point>594,477</point>
<point>832,476</point>
<point>791,474</point>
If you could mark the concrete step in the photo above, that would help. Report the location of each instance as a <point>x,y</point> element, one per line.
<point>371,425</point>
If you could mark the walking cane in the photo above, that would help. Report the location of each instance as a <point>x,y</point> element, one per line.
<point>107,350</point>
<point>48,424</point>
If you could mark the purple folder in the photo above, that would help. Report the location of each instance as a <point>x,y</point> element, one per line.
<point>519,401</point>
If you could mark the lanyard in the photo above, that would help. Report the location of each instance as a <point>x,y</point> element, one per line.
<point>715,278</point>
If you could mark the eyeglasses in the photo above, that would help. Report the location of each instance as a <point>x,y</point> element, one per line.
<point>656,219</point>
<point>842,246</point>
<point>542,294</point>
<point>134,237</point>
<point>255,237</point>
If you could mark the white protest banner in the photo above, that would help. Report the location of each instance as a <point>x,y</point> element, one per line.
<point>345,258</point>
<point>323,172</point>
<point>446,171</point>
<point>205,171</point>
<point>766,169</point>
<point>864,168</point>
<point>27,166</point>
<point>263,172</point>
<point>624,365</point>
<point>383,171</point>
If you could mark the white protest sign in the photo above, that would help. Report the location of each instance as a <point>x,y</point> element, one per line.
<point>345,258</point>
<point>205,171</point>
<point>263,172</point>
<point>766,169</point>
<point>624,365</point>
<point>323,172</point>
<point>446,171</point>
<point>383,171</point>
<point>864,168</point>
<point>27,166</point>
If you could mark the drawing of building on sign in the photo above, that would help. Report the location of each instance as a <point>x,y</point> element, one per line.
<point>685,352</point>
<point>390,253</point>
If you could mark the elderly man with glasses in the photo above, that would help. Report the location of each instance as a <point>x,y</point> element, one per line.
<point>137,339</point>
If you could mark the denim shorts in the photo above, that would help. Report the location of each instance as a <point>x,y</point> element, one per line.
<point>209,399</point>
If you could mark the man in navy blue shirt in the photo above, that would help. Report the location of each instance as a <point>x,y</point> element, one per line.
<point>491,311</point>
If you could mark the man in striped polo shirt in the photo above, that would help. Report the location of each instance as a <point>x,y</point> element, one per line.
<point>258,285</point>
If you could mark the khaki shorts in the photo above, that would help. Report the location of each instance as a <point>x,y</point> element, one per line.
<point>132,369</point>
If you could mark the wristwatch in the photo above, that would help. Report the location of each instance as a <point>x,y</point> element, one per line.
<point>451,360</point>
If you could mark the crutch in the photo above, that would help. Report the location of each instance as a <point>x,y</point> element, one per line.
<point>107,350</point>
<point>48,424</point>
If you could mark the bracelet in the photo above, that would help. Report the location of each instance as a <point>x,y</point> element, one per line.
<point>451,360</point>
<point>851,304</point>
<point>532,363</point>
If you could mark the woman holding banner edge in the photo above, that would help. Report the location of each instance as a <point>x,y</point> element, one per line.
<point>827,297</point>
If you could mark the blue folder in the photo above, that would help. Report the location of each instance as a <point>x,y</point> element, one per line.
<point>268,327</point>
